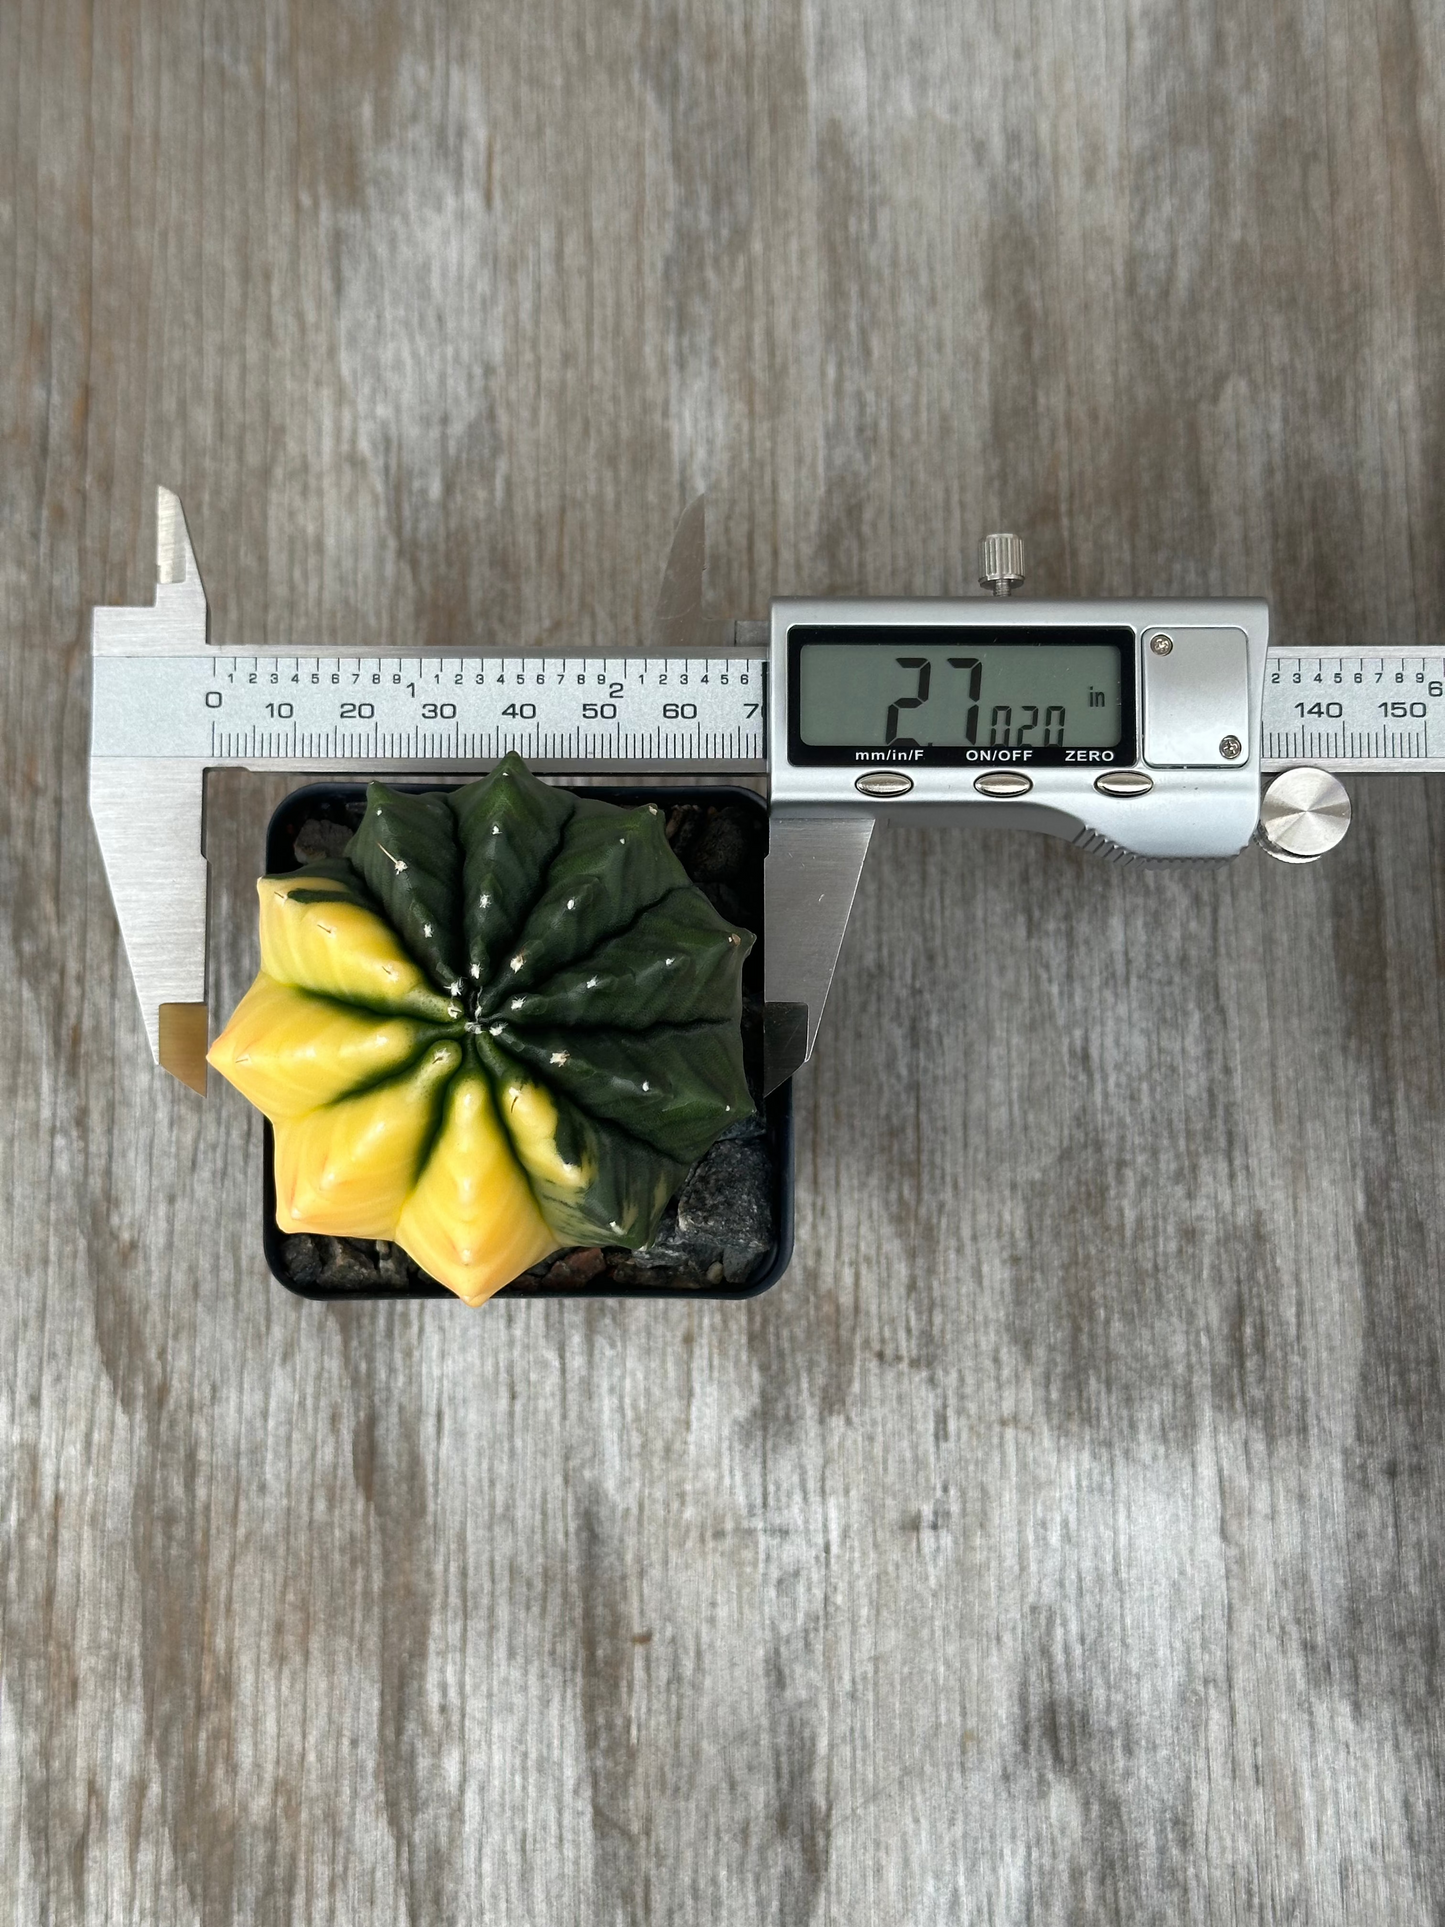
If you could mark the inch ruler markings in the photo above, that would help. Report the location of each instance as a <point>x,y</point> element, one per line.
<point>1348,710</point>
<point>224,707</point>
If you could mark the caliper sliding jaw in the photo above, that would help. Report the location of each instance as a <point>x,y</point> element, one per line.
<point>809,882</point>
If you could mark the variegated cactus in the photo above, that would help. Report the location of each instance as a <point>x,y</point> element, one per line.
<point>504,1022</point>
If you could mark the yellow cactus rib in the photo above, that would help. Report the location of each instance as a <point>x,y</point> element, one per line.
<point>289,1051</point>
<point>531,1120</point>
<point>346,1169</point>
<point>341,950</point>
<point>471,1220</point>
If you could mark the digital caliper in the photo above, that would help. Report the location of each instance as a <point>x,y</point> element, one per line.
<point>1138,729</point>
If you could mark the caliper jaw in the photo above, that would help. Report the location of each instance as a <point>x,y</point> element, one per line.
<point>148,810</point>
<point>148,816</point>
<point>809,883</point>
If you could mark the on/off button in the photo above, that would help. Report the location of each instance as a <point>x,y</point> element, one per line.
<point>1003,782</point>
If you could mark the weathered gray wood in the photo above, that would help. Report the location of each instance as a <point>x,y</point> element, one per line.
<point>1062,1540</point>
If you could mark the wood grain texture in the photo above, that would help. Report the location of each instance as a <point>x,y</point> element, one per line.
<point>1063,1539</point>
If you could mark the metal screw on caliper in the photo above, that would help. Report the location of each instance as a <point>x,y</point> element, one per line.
<point>1303,815</point>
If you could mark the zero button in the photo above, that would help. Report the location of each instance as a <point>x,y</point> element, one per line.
<point>1124,782</point>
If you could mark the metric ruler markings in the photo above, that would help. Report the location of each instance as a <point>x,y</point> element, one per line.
<point>1350,710</point>
<point>231,708</point>
<point>297,747</point>
<point>1348,746</point>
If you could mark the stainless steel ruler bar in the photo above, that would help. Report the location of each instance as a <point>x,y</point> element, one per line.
<point>1339,709</point>
<point>1343,709</point>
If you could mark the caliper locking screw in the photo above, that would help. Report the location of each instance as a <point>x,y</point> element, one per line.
<point>1000,563</point>
<point>1231,747</point>
<point>1161,645</point>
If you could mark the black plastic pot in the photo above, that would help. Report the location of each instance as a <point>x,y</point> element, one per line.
<point>323,812</point>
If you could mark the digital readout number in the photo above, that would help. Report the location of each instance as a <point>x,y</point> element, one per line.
<point>1001,720</point>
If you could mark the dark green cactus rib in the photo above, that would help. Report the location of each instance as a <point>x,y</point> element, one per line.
<point>603,993</point>
<point>676,964</point>
<point>407,851</point>
<point>675,1086</point>
<point>509,831</point>
<point>612,864</point>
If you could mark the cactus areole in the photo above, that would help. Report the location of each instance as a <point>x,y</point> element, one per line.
<point>504,1022</point>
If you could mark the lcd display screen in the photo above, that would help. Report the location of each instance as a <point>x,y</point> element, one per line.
<point>960,694</point>
<point>990,694</point>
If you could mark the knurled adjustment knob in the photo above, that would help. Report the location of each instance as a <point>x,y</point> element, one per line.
<point>1001,563</point>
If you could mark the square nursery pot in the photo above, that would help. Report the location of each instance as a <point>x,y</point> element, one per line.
<point>729,1232</point>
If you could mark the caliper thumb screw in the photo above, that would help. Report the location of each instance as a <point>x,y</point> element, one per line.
<point>1001,563</point>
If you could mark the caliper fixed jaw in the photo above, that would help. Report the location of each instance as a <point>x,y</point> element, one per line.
<point>148,815</point>
<point>147,784</point>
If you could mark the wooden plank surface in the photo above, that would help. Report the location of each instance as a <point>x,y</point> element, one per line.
<point>1062,1540</point>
